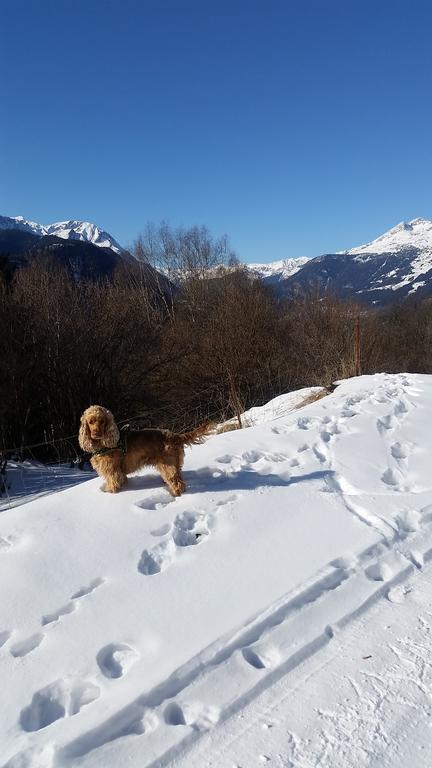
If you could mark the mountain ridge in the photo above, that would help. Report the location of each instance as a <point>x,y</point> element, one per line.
<point>395,266</point>
<point>67,230</point>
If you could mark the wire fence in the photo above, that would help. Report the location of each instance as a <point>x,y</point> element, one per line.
<point>24,476</point>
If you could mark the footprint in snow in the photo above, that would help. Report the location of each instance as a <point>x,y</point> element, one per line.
<point>392,478</point>
<point>385,423</point>
<point>327,434</point>
<point>409,521</point>
<point>70,607</point>
<point>156,501</point>
<point>227,500</point>
<point>34,757</point>
<point>226,459</point>
<point>401,408</point>
<point>348,413</point>
<point>84,591</point>
<point>63,698</point>
<point>5,543</point>
<point>303,422</point>
<point>344,563</point>
<point>50,618</point>
<point>398,594</point>
<point>162,530</point>
<point>116,659</point>
<point>190,529</point>
<point>198,716</point>
<point>251,457</point>
<point>320,455</point>
<point>23,647</point>
<point>157,560</point>
<point>379,572</point>
<point>4,637</point>
<point>261,658</point>
<point>303,448</point>
<point>400,450</point>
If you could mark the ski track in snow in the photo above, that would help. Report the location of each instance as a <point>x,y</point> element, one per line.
<point>171,717</point>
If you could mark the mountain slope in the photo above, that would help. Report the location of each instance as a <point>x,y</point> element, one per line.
<point>278,270</point>
<point>395,266</point>
<point>413,234</point>
<point>67,230</point>
<point>132,624</point>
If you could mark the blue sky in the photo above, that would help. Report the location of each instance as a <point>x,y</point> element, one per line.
<point>296,127</point>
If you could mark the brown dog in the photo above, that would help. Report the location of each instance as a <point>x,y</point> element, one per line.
<point>113,460</point>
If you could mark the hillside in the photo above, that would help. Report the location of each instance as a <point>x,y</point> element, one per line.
<point>393,267</point>
<point>278,612</point>
<point>66,230</point>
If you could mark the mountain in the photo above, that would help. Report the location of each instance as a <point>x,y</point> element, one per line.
<point>395,266</point>
<point>413,234</point>
<point>276,271</point>
<point>67,230</point>
<point>21,224</point>
<point>84,249</point>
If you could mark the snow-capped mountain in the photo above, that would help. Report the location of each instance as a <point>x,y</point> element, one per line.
<point>21,224</point>
<point>278,270</point>
<point>414,234</point>
<point>67,230</point>
<point>393,267</point>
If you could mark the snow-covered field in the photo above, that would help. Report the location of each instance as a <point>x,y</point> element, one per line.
<point>278,613</point>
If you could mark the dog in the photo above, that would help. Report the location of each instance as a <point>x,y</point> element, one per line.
<point>114,459</point>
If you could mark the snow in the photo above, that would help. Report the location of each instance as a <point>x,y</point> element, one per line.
<point>279,406</point>
<point>67,230</point>
<point>27,480</point>
<point>278,612</point>
<point>18,222</point>
<point>83,230</point>
<point>416,233</point>
<point>280,269</point>
<point>413,237</point>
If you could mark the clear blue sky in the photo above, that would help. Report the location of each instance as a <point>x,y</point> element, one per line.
<point>295,127</point>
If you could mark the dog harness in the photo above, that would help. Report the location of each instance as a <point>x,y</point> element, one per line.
<point>120,447</point>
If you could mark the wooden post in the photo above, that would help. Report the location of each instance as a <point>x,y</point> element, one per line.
<point>357,347</point>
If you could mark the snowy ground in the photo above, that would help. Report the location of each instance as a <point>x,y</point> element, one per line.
<point>279,406</point>
<point>278,613</point>
<point>28,480</point>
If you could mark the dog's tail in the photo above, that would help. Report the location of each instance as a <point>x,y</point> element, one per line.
<point>195,436</point>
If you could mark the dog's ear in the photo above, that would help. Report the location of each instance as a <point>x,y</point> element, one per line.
<point>111,434</point>
<point>84,437</point>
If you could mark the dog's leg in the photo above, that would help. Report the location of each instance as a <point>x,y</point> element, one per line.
<point>114,482</point>
<point>172,477</point>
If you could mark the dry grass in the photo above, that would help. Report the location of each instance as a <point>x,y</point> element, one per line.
<point>313,398</point>
<point>231,426</point>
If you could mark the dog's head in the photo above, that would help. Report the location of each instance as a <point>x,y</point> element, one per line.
<point>98,429</point>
